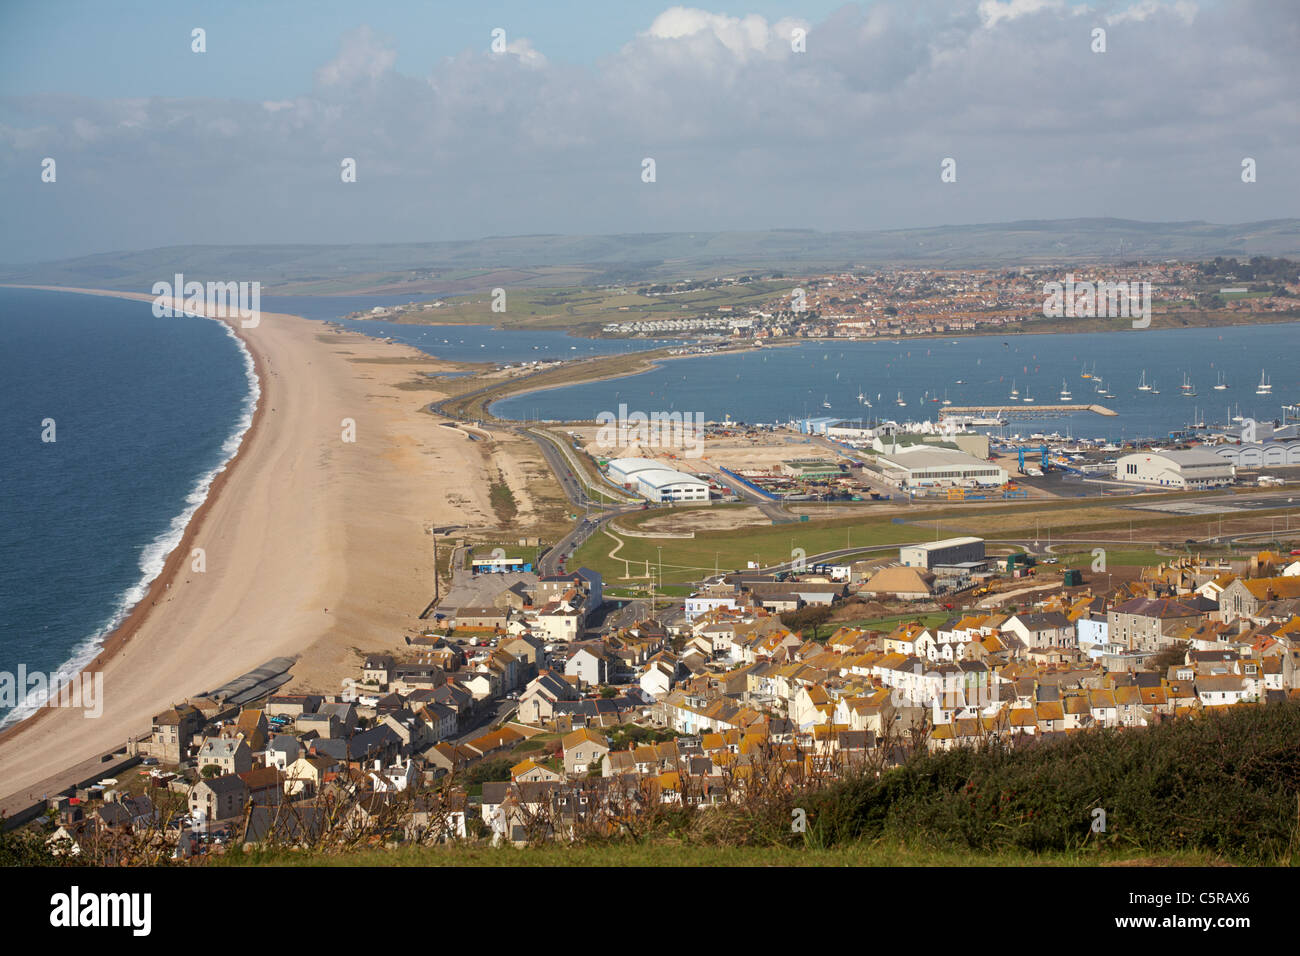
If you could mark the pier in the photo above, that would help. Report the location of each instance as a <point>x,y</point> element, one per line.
<point>994,411</point>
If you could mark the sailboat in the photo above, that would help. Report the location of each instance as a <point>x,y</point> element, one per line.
<point>1015,392</point>
<point>1065,392</point>
<point>826,402</point>
<point>1027,398</point>
<point>1189,390</point>
<point>1154,390</point>
<point>1222,385</point>
<point>900,403</point>
<point>1084,373</point>
<point>1265,387</point>
<point>1143,386</point>
<point>945,399</point>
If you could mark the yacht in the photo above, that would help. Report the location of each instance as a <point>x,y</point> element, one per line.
<point>826,401</point>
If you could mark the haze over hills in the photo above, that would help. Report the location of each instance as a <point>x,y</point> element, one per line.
<point>552,260</point>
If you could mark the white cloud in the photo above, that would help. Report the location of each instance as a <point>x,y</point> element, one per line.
<point>362,56</point>
<point>993,12</point>
<point>1145,9</point>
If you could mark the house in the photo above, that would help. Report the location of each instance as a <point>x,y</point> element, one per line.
<point>282,750</point>
<point>229,754</point>
<point>583,750</point>
<point>251,726</point>
<point>529,771</point>
<point>378,669</point>
<point>590,663</point>
<point>303,777</point>
<point>1145,624</point>
<point>218,798</point>
<point>658,677</point>
<point>1218,691</point>
<point>173,732</point>
<point>1051,629</point>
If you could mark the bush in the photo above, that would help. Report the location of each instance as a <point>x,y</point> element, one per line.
<point>1224,783</point>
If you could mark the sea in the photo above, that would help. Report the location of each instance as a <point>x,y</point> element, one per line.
<point>141,414</point>
<point>114,422</point>
<point>865,380</point>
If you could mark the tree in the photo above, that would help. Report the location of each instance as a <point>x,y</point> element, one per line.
<point>209,771</point>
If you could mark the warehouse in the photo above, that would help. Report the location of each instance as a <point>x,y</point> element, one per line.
<point>950,551</point>
<point>1193,468</point>
<point>811,468</point>
<point>918,467</point>
<point>622,470</point>
<point>664,485</point>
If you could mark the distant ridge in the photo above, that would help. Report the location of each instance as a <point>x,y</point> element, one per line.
<point>541,260</point>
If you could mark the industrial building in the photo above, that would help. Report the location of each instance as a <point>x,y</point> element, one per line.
<point>1277,454</point>
<point>666,485</point>
<point>950,551</point>
<point>812,468</point>
<point>922,467</point>
<point>655,481</point>
<point>1193,468</point>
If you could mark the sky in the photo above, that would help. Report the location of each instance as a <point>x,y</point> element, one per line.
<point>154,144</point>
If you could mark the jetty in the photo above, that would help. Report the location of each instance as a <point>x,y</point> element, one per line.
<point>1012,409</point>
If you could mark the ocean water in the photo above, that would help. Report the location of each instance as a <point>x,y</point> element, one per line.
<point>781,384</point>
<point>458,343</point>
<point>146,411</point>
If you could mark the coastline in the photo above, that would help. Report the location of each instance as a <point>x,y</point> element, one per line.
<point>136,616</point>
<point>315,545</point>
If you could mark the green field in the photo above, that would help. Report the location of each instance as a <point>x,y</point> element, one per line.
<point>671,854</point>
<point>688,559</point>
<point>586,310</point>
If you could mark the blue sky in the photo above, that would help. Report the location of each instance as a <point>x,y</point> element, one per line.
<point>155,145</point>
<point>269,49</point>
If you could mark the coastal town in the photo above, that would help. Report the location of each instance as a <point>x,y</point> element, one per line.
<point>538,715</point>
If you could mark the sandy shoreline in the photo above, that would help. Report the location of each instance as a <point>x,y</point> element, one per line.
<point>315,547</point>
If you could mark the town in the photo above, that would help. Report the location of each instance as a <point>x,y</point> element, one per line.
<point>542,713</point>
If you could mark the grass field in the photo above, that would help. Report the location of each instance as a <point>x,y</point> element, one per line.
<point>685,560</point>
<point>586,310</point>
<point>675,855</point>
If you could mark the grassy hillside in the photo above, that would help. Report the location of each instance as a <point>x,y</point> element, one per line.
<point>1225,784</point>
<point>474,265</point>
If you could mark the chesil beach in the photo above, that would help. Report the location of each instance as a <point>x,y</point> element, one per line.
<point>312,545</point>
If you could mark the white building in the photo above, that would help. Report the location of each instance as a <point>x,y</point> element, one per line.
<point>919,467</point>
<point>664,484</point>
<point>1193,468</point>
<point>622,470</point>
<point>656,481</point>
<point>948,551</point>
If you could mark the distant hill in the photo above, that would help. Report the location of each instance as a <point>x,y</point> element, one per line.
<point>536,261</point>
